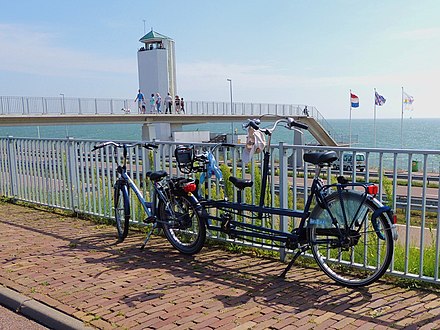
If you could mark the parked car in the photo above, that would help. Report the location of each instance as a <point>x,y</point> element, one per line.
<point>347,160</point>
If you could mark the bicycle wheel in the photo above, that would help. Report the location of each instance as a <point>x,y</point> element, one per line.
<point>183,224</point>
<point>122,210</point>
<point>359,253</point>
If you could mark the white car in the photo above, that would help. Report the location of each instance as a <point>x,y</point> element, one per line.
<point>347,160</point>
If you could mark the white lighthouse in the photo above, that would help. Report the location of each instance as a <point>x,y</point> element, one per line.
<point>156,65</point>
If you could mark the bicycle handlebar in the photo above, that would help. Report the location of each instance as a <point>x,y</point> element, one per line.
<point>149,146</point>
<point>291,124</point>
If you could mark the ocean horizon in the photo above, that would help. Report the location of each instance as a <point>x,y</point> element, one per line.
<point>420,134</point>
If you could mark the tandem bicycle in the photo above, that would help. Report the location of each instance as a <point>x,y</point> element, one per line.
<point>349,232</point>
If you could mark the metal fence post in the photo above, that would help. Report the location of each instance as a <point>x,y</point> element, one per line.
<point>72,174</point>
<point>22,106</point>
<point>284,187</point>
<point>11,151</point>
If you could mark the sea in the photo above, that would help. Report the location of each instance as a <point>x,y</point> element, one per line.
<point>420,134</point>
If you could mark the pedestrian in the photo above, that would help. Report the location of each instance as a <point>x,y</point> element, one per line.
<point>306,111</point>
<point>177,103</point>
<point>158,102</point>
<point>152,104</point>
<point>140,100</point>
<point>168,103</point>
<point>182,105</point>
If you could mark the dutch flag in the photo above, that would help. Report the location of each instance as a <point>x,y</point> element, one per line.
<point>354,100</point>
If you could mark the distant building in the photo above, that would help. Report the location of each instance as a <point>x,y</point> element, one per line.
<point>156,65</point>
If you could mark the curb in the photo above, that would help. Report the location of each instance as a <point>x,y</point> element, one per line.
<point>39,312</point>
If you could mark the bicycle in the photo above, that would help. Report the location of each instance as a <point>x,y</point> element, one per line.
<point>349,232</point>
<point>172,208</point>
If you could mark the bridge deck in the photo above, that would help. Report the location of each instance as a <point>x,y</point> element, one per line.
<point>315,128</point>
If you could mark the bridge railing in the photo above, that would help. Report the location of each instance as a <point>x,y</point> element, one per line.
<point>65,174</point>
<point>26,105</point>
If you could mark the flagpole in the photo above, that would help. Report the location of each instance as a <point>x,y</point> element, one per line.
<point>350,122</point>
<point>375,117</point>
<point>401,124</point>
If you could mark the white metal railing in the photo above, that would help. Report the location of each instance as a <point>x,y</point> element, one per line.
<point>63,173</point>
<point>25,105</point>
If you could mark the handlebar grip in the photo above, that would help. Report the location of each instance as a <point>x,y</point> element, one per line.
<point>300,125</point>
<point>291,122</point>
<point>150,146</point>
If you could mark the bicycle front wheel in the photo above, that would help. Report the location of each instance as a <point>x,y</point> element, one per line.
<point>360,251</point>
<point>183,224</point>
<point>122,210</point>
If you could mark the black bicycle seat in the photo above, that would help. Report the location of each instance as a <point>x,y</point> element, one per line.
<point>240,183</point>
<point>156,176</point>
<point>316,158</point>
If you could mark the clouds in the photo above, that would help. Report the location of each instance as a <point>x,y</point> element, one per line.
<point>418,34</point>
<point>44,61</point>
<point>25,50</point>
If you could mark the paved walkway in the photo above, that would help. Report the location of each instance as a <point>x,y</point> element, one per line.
<point>75,267</point>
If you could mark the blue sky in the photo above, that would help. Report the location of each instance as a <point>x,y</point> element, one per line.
<point>283,51</point>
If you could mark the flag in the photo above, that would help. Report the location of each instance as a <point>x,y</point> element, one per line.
<point>354,101</point>
<point>379,99</point>
<point>408,101</point>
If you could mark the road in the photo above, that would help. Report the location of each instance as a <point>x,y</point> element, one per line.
<point>10,320</point>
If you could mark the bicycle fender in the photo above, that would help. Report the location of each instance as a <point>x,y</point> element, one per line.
<point>376,214</point>
<point>197,206</point>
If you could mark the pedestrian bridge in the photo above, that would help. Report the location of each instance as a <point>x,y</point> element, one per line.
<point>39,111</point>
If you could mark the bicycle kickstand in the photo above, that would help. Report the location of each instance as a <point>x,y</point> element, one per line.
<point>153,227</point>
<point>297,254</point>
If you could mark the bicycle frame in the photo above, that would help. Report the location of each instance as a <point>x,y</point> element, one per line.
<point>148,207</point>
<point>232,213</point>
<point>255,231</point>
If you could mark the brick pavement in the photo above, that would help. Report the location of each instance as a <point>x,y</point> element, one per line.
<point>75,267</point>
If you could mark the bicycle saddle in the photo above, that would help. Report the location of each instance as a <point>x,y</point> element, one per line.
<point>156,176</point>
<point>316,158</point>
<point>240,183</point>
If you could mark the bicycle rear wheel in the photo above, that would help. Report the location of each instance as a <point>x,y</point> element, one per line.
<point>183,224</point>
<point>122,210</point>
<point>357,254</point>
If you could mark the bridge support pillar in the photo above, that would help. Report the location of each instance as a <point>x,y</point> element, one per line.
<point>159,131</point>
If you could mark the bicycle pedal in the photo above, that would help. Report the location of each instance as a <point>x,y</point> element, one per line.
<point>150,219</point>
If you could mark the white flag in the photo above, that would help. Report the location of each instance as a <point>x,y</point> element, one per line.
<point>407,101</point>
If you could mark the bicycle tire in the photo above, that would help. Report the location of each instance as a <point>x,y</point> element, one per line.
<point>183,224</point>
<point>368,254</point>
<point>122,210</point>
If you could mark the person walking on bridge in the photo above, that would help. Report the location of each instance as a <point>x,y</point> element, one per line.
<point>168,103</point>
<point>152,104</point>
<point>158,102</point>
<point>140,100</point>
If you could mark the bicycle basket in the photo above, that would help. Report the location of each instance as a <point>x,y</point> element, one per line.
<point>185,158</point>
